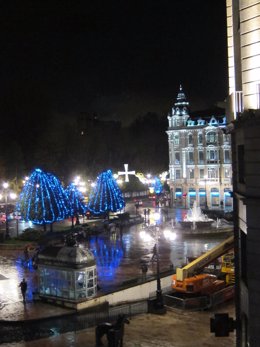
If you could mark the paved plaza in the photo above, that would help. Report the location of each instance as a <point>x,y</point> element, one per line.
<point>176,328</point>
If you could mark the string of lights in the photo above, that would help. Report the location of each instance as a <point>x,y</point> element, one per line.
<point>106,196</point>
<point>43,199</point>
<point>76,199</point>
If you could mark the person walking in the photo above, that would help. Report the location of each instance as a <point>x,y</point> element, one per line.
<point>23,286</point>
<point>144,269</point>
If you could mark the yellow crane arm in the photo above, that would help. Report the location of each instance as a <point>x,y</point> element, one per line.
<point>204,259</point>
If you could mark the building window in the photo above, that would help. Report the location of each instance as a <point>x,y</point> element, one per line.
<point>211,137</point>
<point>227,173</point>
<point>226,138</point>
<point>190,158</point>
<point>200,139</point>
<point>212,173</point>
<point>226,156</point>
<point>241,163</point>
<point>177,158</point>
<point>176,139</point>
<point>190,139</point>
<point>191,173</point>
<point>201,173</point>
<point>212,155</point>
<point>201,157</point>
<point>178,174</point>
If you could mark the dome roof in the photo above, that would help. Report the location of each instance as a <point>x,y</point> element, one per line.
<point>72,257</point>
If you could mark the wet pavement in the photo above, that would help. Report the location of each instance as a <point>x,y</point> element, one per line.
<point>118,260</point>
<point>174,329</point>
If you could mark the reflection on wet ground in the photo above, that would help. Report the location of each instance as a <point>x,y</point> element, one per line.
<point>118,260</point>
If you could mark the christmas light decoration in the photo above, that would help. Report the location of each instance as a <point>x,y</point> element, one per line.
<point>157,186</point>
<point>106,196</point>
<point>43,199</point>
<point>76,200</point>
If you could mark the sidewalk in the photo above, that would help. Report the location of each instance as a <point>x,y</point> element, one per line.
<point>174,329</point>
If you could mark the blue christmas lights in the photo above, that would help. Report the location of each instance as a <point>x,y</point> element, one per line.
<point>43,199</point>
<point>76,199</point>
<point>106,196</point>
<point>157,186</point>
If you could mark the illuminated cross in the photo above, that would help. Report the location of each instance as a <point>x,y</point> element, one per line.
<point>126,173</point>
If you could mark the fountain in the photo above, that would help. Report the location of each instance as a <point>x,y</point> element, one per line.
<point>196,219</point>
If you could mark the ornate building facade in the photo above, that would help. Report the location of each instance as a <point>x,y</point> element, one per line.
<point>199,158</point>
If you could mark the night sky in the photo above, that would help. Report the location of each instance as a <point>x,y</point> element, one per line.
<point>119,59</point>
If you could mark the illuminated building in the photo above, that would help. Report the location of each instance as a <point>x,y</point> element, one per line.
<point>243,34</point>
<point>199,158</point>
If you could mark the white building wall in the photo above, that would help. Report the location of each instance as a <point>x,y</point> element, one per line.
<point>250,52</point>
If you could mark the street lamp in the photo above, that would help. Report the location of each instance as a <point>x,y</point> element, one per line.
<point>153,233</point>
<point>13,197</point>
<point>159,304</point>
<point>5,186</point>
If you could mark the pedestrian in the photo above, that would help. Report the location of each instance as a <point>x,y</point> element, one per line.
<point>26,254</point>
<point>144,269</point>
<point>155,254</point>
<point>23,286</point>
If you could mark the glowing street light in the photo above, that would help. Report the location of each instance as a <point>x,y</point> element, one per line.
<point>12,196</point>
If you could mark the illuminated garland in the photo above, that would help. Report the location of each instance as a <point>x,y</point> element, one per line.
<point>106,195</point>
<point>76,199</point>
<point>43,199</point>
<point>157,186</point>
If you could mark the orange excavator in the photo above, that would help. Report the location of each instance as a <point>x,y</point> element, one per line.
<point>192,281</point>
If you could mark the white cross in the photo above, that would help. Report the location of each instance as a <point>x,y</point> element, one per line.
<point>126,173</point>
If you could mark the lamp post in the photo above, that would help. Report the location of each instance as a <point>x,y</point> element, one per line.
<point>159,304</point>
<point>5,186</point>
<point>12,196</point>
<point>153,233</point>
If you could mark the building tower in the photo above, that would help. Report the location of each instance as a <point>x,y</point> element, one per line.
<point>243,35</point>
<point>199,158</point>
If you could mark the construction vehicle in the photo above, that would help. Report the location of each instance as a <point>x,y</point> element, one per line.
<point>192,281</point>
<point>227,267</point>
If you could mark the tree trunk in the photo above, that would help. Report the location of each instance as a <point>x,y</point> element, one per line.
<point>77,219</point>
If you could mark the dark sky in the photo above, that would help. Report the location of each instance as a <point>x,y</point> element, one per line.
<point>120,59</point>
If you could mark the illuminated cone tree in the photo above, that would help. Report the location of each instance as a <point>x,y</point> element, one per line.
<point>157,186</point>
<point>43,199</point>
<point>76,200</point>
<point>106,196</point>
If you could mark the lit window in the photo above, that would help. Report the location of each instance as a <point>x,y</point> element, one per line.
<point>212,155</point>
<point>176,139</point>
<point>212,173</point>
<point>177,158</point>
<point>227,156</point>
<point>178,174</point>
<point>200,139</point>
<point>227,173</point>
<point>201,156</point>
<point>190,158</point>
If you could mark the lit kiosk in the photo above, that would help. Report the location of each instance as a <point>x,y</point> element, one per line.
<point>66,274</point>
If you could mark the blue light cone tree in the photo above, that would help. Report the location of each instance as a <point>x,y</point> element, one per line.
<point>43,199</point>
<point>77,204</point>
<point>158,186</point>
<point>106,196</point>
